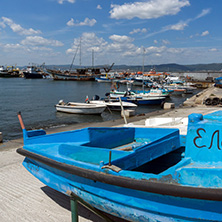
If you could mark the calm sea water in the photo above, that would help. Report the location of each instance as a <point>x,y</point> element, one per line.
<point>36,99</point>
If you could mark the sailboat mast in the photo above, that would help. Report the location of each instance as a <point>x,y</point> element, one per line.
<point>73,59</point>
<point>143,67</point>
<point>93,58</point>
<point>80,56</point>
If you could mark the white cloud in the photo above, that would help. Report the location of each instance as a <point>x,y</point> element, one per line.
<point>40,41</point>
<point>2,24</point>
<point>120,38</point>
<point>213,50</point>
<point>121,44</point>
<point>18,28</point>
<point>154,49</point>
<point>144,30</point>
<point>13,46</point>
<point>99,7</point>
<point>165,42</point>
<point>86,22</point>
<point>70,22</point>
<point>122,50</point>
<point>179,26</point>
<point>205,33</point>
<point>62,1</point>
<point>147,9</point>
<point>89,42</point>
<point>203,13</point>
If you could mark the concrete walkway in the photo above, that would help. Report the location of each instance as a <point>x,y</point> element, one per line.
<point>24,198</point>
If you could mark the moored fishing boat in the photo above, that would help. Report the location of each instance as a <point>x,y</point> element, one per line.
<point>78,75</point>
<point>80,108</point>
<point>115,105</point>
<point>9,72</point>
<point>144,100</point>
<point>154,92</point>
<point>149,175</point>
<point>104,79</point>
<point>33,72</point>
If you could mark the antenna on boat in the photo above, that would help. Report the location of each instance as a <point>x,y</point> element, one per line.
<point>20,120</point>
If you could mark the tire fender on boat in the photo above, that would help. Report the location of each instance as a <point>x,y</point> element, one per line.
<point>162,104</point>
<point>208,101</point>
<point>215,101</point>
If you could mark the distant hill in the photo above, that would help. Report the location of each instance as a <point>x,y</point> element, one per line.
<point>171,67</point>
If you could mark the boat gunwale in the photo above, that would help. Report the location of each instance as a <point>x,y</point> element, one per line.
<point>162,188</point>
<point>83,106</point>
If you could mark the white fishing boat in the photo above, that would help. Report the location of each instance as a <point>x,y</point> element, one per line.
<point>80,108</point>
<point>115,105</point>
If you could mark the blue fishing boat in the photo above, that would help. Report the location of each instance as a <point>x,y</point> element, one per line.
<point>144,100</point>
<point>139,174</point>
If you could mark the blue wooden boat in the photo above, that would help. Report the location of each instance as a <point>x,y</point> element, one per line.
<point>139,174</point>
<point>144,100</point>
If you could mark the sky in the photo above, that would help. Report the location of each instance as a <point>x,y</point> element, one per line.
<point>98,32</point>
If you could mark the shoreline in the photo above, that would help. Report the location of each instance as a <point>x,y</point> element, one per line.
<point>140,117</point>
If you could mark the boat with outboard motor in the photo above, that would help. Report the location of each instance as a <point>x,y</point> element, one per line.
<point>80,108</point>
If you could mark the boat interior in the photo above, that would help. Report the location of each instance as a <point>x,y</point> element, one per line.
<point>127,148</point>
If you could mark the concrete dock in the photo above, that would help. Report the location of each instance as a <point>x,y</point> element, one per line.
<point>24,198</point>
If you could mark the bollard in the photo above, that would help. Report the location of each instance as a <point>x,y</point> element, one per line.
<point>168,106</point>
<point>129,113</point>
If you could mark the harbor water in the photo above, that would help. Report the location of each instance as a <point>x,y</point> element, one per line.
<point>36,99</point>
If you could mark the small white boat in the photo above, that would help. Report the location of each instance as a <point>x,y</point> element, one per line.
<point>116,106</point>
<point>80,108</point>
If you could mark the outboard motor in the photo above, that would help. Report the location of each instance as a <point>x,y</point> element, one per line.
<point>61,102</point>
<point>96,97</point>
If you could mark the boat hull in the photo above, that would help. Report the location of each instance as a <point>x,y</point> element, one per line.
<point>115,106</point>
<point>77,77</point>
<point>103,80</point>
<point>145,101</point>
<point>127,203</point>
<point>81,109</point>
<point>8,75</point>
<point>32,75</point>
